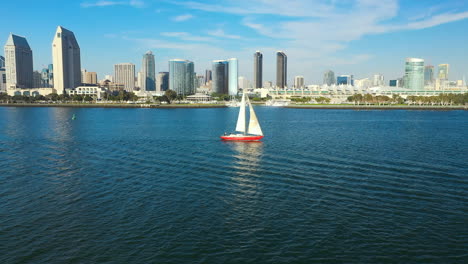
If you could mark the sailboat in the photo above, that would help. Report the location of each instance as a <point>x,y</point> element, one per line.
<point>243,133</point>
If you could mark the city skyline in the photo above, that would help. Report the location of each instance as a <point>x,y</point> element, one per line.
<point>348,50</point>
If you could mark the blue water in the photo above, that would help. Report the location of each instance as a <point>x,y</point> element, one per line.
<point>158,186</point>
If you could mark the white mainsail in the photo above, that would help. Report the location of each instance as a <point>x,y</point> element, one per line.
<point>240,127</point>
<point>254,126</point>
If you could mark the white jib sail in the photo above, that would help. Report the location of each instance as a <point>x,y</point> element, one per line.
<point>254,126</point>
<point>240,127</point>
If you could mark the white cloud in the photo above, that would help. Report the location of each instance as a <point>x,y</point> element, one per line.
<point>221,34</point>
<point>185,36</point>
<point>182,18</point>
<point>104,3</point>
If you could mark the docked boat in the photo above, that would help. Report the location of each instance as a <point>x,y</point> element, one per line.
<point>252,132</point>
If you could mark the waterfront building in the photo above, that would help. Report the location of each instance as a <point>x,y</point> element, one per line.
<point>299,81</point>
<point>232,76</point>
<point>47,79</point>
<point>243,82</point>
<point>125,74</point>
<point>428,75</point>
<point>162,82</point>
<point>18,63</point>
<point>148,73</point>
<point>220,76</point>
<point>208,76</point>
<point>268,84</point>
<point>258,69</point>
<point>363,83</point>
<point>181,76</point>
<point>95,92</point>
<point>414,74</point>
<point>393,83</point>
<point>345,80</point>
<point>90,78</point>
<point>281,69</point>
<point>36,79</point>
<point>66,60</point>
<point>443,73</point>
<point>2,80</point>
<point>329,78</point>
<point>378,80</point>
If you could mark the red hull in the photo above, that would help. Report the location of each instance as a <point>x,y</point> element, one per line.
<point>242,138</point>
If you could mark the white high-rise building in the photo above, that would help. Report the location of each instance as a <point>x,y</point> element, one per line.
<point>233,75</point>
<point>299,81</point>
<point>66,60</point>
<point>414,74</point>
<point>18,63</point>
<point>243,83</point>
<point>125,74</point>
<point>378,80</point>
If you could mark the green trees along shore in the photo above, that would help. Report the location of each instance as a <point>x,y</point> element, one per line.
<point>441,99</point>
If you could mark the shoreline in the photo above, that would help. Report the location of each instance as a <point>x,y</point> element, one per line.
<point>378,107</point>
<point>173,106</point>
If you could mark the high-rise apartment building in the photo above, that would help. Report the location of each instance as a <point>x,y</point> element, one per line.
<point>220,76</point>
<point>18,63</point>
<point>233,75</point>
<point>208,76</point>
<point>443,73</point>
<point>148,72</point>
<point>182,76</point>
<point>2,80</point>
<point>37,79</point>
<point>243,82</point>
<point>378,80</point>
<point>162,81</point>
<point>414,74</point>
<point>345,80</point>
<point>90,78</point>
<point>428,75</point>
<point>66,60</point>
<point>125,74</point>
<point>299,82</point>
<point>281,69</point>
<point>258,69</point>
<point>329,78</point>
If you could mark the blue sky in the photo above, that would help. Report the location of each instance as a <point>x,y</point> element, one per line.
<point>360,37</point>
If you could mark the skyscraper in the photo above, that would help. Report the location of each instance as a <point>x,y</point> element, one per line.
<point>2,79</point>
<point>208,76</point>
<point>18,63</point>
<point>378,80</point>
<point>125,74</point>
<point>329,78</point>
<point>162,81</point>
<point>181,76</point>
<point>91,78</point>
<point>148,72</point>
<point>258,69</point>
<point>233,75</point>
<point>345,80</point>
<point>443,72</point>
<point>428,75</point>
<point>220,76</point>
<point>281,69</point>
<point>36,79</point>
<point>299,82</point>
<point>414,74</point>
<point>66,60</point>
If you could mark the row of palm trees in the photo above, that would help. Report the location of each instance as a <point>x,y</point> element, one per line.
<point>441,99</point>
